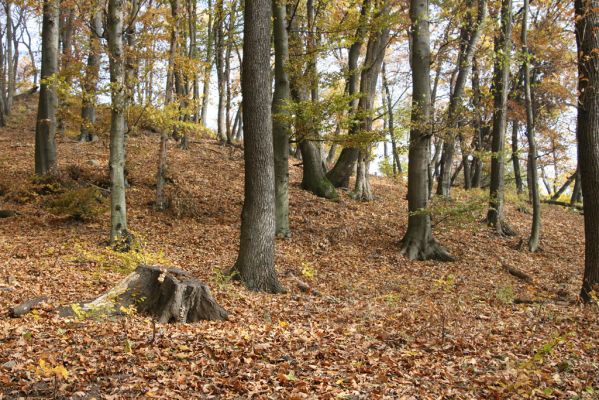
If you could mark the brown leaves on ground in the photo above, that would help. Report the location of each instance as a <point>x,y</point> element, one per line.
<point>371,324</point>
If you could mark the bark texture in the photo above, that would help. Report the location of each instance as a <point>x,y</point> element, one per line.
<point>280,124</point>
<point>501,73</point>
<point>418,242</point>
<point>90,82</point>
<point>45,130</point>
<point>255,262</point>
<point>118,205</point>
<point>587,132</point>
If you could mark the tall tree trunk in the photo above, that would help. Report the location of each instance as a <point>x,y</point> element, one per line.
<point>477,164</point>
<point>229,50</point>
<point>535,232</point>
<point>116,56</point>
<point>516,158</point>
<point>503,49</point>
<point>192,19</point>
<point>344,167</point>
<point>208,65</point>
<point>418,242</point>
<point>375,52</point>
<point>9,57</point>
<point>90,81</point>
<point>280,124</point>
<point>314,178</point>
<point>587,132</point>
<point>45,130</point>
<point>220,70</point>
<point>470,37</point>
<point>161,203</point>
<point>391,125</point>
<point>565,186</point>
<point>255,262</point>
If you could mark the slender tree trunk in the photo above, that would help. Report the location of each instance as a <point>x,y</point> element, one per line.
<point>533,241</point>
<point>45,131</point>
<point>503,49</point>
<point>220,70</point>
<point>9,57</point>
<point>280,124</point>
<point>477,164</point>
<point>587,132</point>
<point>208,66</point>
<point>391,125</point>
<point>229,50</point>
<point>193,54</point>
<point>90,81</point>
<point>515,158</point>
<point>344,167</point>
<point>116,56</point>
<point>565,186</point>
<point>418,242</point>
<point>377,43</point>
<point>470,37</point>
<point>161,203</point>
<point>255,263</point>
<point>314,178</point>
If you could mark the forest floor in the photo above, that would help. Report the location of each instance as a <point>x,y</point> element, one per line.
<point>375,325</point>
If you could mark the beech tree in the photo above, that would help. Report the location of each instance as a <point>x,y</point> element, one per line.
<point>255,261</point>
<point>501,74</point>
<point>533,241</point>
<point>280,125</point>
<point>587,133</point>
<point>418,242</point>
<point>116,57</point>
<point>45,130</point>
<point>90,80</point>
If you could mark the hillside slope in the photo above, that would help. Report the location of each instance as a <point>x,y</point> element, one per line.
<point>375,325</point>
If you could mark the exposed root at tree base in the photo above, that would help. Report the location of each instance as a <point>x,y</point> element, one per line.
<point>415,249</point>
<point>266,284</point>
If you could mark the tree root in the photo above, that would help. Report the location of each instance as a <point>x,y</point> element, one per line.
<point>415,249</point>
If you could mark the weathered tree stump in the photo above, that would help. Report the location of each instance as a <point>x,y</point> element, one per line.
<point>168,294</point>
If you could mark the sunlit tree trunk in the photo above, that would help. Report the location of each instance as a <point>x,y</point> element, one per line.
<point>116,56</point>
<point>45,130</point>
<point>207,66</point>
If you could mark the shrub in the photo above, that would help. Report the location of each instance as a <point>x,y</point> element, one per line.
<point>80,204</point>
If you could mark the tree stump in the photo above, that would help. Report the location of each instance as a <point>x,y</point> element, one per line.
<point>167,294</point>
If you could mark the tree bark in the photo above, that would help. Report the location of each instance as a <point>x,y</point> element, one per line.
<point>220,70</point>
<point>208,66</point>
<point>470,37</point>
<point>391,125</point>
<point>503,49</point>
<point>515,158</point>
<point>118,204</point>
<point>535,232</point>
<point>90,81</point>
<point>418,242</point>
<point>255,262</point>
<point>587,133</point>
<point>45,131</point>
<point>280,124</point>
<point>344,167</point>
